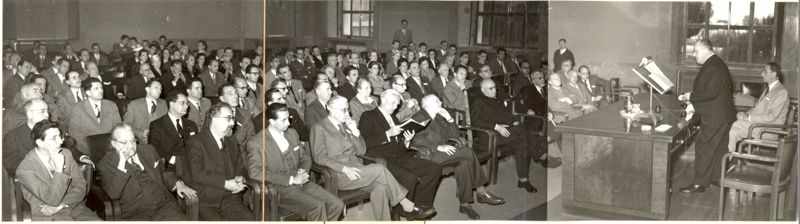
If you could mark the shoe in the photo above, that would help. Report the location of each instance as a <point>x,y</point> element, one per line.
<point>552,162</point>
<point>489,198</point>
<point>694,188</point>
<point>467,209</point>
<point>527,186</point>
<point>419,212</point>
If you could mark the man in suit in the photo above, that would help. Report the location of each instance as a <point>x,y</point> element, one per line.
<point>69,98</point>
<point>562,54</point>
<point>771,108</point>
<point>212,79</point>
<point>275,96</point>
<point>138,83</point>
<point>347,89</point>
<point>123,49</point>
<point>489,113</point>
<point>243,125</point>
<point>409,106</point>
<point>272,73</point>
<point>92,116</point>
<point>382,135</point>
<point>52,183</point>
<point>355,61</point>
<point>442,79</point>
<point>288,164</point>
<point>56,77</point>
<point>15,116</point>
<point>712,99</point>
<point>534,102</point>
<point>108,90</point>
<point>42,60</point>
<point>245,101</point>
<point>559,99</point>
<point>170,133</point>
<point>501,65</point>
<point>435,145</point>
<point>523,78</point>
<point>579,93</point>
<point>403,35</point>
<point>175,78</point>
<point>198,105</point>
<point>316,111</point>
<point>594,84</point>
<point>418,86</point>
<point>14,84</point>
<point>255,90</point>
<point>300,67</point>
<point>455,93</point>
<point>11,65</point>
<point>98,57</point>
<point>336,143</point>
<point>294,92</point>
<point>442,52</point>
<point>217,170</point>
<point>17,142</point>
<point>135,175</point>
<point>83,60</point>
<point>142,111</point>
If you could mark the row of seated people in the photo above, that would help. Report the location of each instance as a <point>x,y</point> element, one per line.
<point>573,93</point>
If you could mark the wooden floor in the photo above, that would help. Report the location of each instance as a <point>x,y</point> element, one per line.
<point>683,207</point>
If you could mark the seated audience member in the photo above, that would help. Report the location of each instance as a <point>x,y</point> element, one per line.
<point>61,196</point>
<point>347,88</point>
<point>272,72</point>
<point>245,101</point>
<point>14,84</point>
<point>287,169</point>
<point>434,142</point>
<point>596,86</point>
<point>316,111</point>
<point>71,97</point>
<point>255,90</point>
<point>463,60</point>
<point>455,93</point>
<point>212,79</point>
<point>198,105</point>
<point>134,175</point>
<point>771,108</point>
<point>144,110</point>
<point>402,68</point>
<point>393,65</point>
<point>377,81</point>
<point>482,57</point>
<point>243,125</point>
<point>92,116</point>
<point>275,96</point>
<point>295,94</point>
<point>56,76</point>
<point>311,96</point>
<point>408,106</point>
<point>108,90</point>
<point>15,116</point>
<point>300,67</point>
<point>579,93</point>
<point>17,142</point>
<point>502,65</point>
<point>241,67</point>
<point>559,100</point>
<point>534,102</point>
<point>330,73</point>
<point>485,73</point>
<point>175,79</point>
<point>42,82</point>
<point>137,83</point>
<point>217,170</point>
<point>566,67</point>
<point>440,82</point>
<point>363,101</point>
<point>490,113</point>
<point>336,143</point>
<point>142,58</point>
<point>523,78</point>
<point>382,135</point>
<point>355,61</point>
<point>98,57</point>
<point>169,134</point>
<point>425,68</point>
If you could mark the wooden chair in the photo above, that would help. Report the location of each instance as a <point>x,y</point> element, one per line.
<point>743,176</point>
<point>22,209</point>
<point>273,212</point>
<point>483,151</point>
<point>777,129</point>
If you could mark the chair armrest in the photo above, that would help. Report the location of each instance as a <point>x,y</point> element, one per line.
<point>21,207</point>
<point>458,142</point>
<point>328,178</point>
<point>192,207</point>
<point>759,142</point>
<point>760,125</point>
<point>749,157</point>
<point>110,208</point>
<point>254,198</point>
<point>490,133</point>
<point>273,200</point>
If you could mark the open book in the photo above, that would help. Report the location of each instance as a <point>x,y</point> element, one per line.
<point>412,125</point>
<point>650,73</point>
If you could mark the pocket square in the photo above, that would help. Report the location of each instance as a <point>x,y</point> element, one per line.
<point>155,165</point>
<point>296,148</point>
<point>191,133</point>
<point>106,83</point>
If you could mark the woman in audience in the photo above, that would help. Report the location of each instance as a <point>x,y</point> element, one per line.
<point>411,55</point>
<point>190,68</point>
<point>378,82</point>
<point>363,101</point>
<point>155,65</point>
<point>463,59</point>
<point>201,62</point>
<point>153,50</point>
<point>425,68</point>
<point>257,59</point>
<point>166,54</point>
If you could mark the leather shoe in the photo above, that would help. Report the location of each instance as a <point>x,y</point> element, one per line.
<point>467,209</point>
<point>419,212</point>
<point>549,162</point>
<point>489,198</point>
<point>527,186</point>
<point>694,188</point>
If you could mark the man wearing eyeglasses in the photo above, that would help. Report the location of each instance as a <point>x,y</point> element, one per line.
<point>243,126</point>
<point>135,175</point>
<point>170,133</point>
<point>52,182</point>
<point>255,89</point>
<point>217,168</point>
<point>408,106</point>
<point>534,102</point>
<point>245,101</point>
<point>92,116</point>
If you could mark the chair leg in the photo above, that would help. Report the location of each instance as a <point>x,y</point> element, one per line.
<point>773,202</point>
<point>721,202</point>
<point>781,204</point>
<point>735,198</point>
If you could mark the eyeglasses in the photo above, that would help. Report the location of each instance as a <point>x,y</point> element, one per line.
<point>242,87</point>
<point>42,111</point>
<point>400,84</point>
<point>132,141</point>
<point>228,118</point>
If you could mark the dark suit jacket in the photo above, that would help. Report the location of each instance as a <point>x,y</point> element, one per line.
<point>533,100</point>
<point>41,64</point>
<point>10,90</point>
<point>497,69</point>
<point>373,127</point>
<point>438,132</point>
<point>437,86</point>
<point>598,85</point>
<point>210,166</point>
<point>314,113</point>
<point>38,188</point>
<point>102,60</point>
<point>243,128</point>
<point>417,91</point>
<point>487,112</point>
<point>712,93</point>
<point>119,185</point>
<point>558,58</point>
<point>136,85</point>
<point>166,83</point>
<point>198,115</point>
<point>301,70</point>
<point>164,136</point>
<point>17,143</point>
<point>346,90</point>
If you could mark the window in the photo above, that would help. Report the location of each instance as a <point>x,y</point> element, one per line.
<point>741,32</point>
<point>356,18</point>
<point>510,23</point>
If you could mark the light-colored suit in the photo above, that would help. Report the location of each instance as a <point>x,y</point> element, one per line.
<point>553,96</point>
<point>211,85</point>
<point>64,104</point>
<point>54,84</point>
<point>83,122</point>
<point>771,108</point>
<point>403,38</point>
<point>138,116</point>
<point>454,97</point>
<point>68,187</point>
<point>198,115</point>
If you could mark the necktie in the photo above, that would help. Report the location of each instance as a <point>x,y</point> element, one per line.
<point>97,111</point>
<point>152,107</point>
<point>221,143</point>
<point>241,102</point>
<point>78,96</point>
<point>132,166</point>
<point>341,130</point>
<point>503,65</point>
<point>588,86</point>
<point>52,164</point>
<point>180,127</point>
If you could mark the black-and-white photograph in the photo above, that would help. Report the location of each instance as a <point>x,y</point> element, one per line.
<point>673,110</point>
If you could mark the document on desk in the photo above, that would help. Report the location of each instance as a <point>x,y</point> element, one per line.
<point>663,128</point>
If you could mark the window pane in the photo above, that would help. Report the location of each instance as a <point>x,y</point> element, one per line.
<point>532,6</point>
<point>361,5</point>
<point>730,45</point>
<point>536,27</point>
<point>692,36</point>
<point>501,6</point>
<point>346,24</point>
<point>484,29</point>
<point>360,25</point>
<point>482,6</point>
<point>516,34</point>
<point>764,13</point>
<point>518,7</point>
<point>763,49</point>
<point>500,35</point>
<point>719,12</point>
<point>697,12</point>
<point>347,5</point>
<point>740,13</point>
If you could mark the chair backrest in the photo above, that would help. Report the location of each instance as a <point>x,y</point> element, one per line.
<point>98,146</point>
<point>787,148</point>
<point>791,115</point>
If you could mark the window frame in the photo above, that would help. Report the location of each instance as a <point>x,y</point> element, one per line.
<point>341,13</point>
<point>776,27</point>
<point>491,14</point>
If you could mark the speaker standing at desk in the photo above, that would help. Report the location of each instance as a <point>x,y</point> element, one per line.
<point>712,98</point>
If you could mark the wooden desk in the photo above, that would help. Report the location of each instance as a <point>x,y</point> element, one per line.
<point>609,170</point>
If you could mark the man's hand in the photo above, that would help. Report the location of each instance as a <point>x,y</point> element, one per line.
<point>300,179</point>
<point>394,131</point>
<point>741,116</point>
<point>50,210</point>
<point>530,112</point>
<point>501,128</point>
<point>565,100</point>
<point>449,149</point>
<point>234,186</point>
<point>352,173</point>
<point>87,160</point>
<point>411,103</point>
<point>685,96</point>
<point>408,135</point>
<point>550,116</point>
<point>184,190</point>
